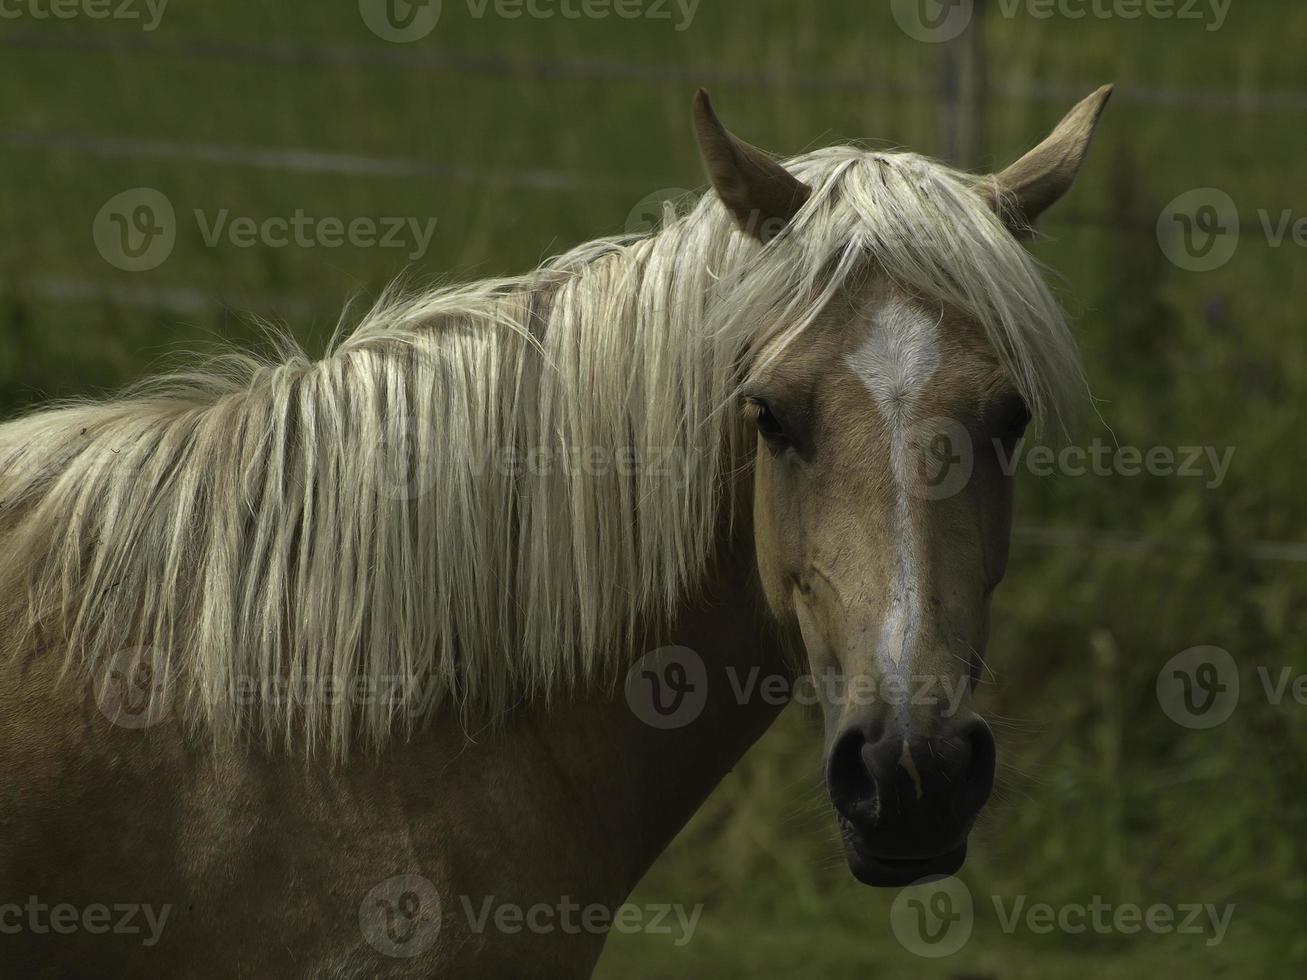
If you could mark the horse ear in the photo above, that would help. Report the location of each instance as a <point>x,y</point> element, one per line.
<point>1022,192</point>
<point>761,195</point>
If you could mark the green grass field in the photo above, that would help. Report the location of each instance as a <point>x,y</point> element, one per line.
<point>521,137</point>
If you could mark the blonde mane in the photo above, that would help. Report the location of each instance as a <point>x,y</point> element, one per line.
<point>473,499</point>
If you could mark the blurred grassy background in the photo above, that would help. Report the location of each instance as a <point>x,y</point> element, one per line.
<point>525,136</point>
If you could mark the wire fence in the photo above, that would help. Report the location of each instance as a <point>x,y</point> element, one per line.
<point>189,300</point>
<point>315,161</point>
<point>604,69</point>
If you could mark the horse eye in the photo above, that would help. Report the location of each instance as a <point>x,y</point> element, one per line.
<point>1018,417</point>
<point>769,426</point>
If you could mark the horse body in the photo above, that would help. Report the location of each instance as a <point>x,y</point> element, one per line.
<point>209,585</point>
<point>261,863</point>
<point>168,547</point>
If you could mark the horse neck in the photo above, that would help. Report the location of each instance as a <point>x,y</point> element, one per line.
<point>624,787</point>
<point>672,770</point>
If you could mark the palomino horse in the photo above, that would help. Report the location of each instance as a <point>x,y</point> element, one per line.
<point>310,664</point>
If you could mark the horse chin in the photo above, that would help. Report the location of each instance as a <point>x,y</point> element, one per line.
<point>882,871</point>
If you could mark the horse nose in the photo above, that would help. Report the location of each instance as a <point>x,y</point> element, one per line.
<point>912,791</point>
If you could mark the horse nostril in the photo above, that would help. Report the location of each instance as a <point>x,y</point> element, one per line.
<point>872,778</point>
<point>849,777</point>
<point>980,762</point>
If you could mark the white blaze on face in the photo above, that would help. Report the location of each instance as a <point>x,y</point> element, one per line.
<point>895,363</point>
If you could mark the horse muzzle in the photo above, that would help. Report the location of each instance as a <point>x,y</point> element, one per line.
<point>906,804</point>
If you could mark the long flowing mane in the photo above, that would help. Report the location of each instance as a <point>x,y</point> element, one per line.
<point>482,490</point>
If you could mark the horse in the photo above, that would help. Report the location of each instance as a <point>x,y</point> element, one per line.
<point>410,660</point>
